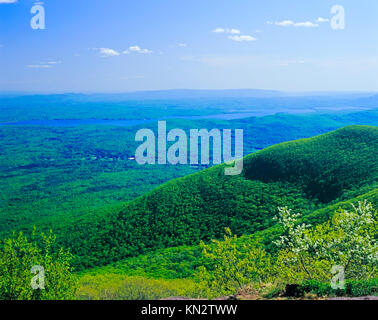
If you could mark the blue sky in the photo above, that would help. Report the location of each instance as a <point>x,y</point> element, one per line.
<point>124,45</point>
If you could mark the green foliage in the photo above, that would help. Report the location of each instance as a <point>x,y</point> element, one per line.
<point>18,256</point>
<point>324,166</point>
<point>120,287</point>
<point>353,288</point>
<point>169,263</point>
<point>194,208</point>
<point>306,257</point>
<point>181,262</point>
<point>232,267</point>
<point>54,176</point>
<point>348,240</point>
<point>78,179</point>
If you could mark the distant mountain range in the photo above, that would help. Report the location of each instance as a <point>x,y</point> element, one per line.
<point>190,94</point>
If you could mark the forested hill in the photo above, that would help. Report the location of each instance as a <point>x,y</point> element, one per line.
<point>324,166</point>
<point>305,175</point>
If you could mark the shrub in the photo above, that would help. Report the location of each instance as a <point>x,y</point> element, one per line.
<point>231,266</point>
<point>18,256</point>
<point>347,240</point>
<point>121,287</point>
<point>353,288</point>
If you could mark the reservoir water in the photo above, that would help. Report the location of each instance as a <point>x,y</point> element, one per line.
<point>127,123</point>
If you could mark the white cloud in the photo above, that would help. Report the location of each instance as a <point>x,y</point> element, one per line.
<point>242,38</point>
<point>227,30</point>
<point>291,23</point>
<point>234,31</point>
<point>136,49</point>
<point>8,1</point>
<point>321,20</point>
<point>107,52</point>
<point>44,65</point>
<point>307,24</point>
<point>182,45</point>
<point>284,23</point>
<point>234,34</point>
<point>39,66</point>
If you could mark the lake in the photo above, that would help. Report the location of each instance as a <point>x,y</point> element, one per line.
<point>128,123</point>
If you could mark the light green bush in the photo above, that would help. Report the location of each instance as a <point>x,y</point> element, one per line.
<point>17,257</point>
<point>121,287</point>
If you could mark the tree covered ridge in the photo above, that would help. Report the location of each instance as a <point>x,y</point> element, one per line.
<point>198,207</point>
<point>325,165</point>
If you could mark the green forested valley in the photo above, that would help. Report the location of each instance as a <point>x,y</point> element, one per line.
<point>147,232</point>
<point>188,150</point>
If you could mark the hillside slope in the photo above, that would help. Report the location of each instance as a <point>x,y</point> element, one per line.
<point>182,262</point>
<point>324,166</point>
<point>305,175</point>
